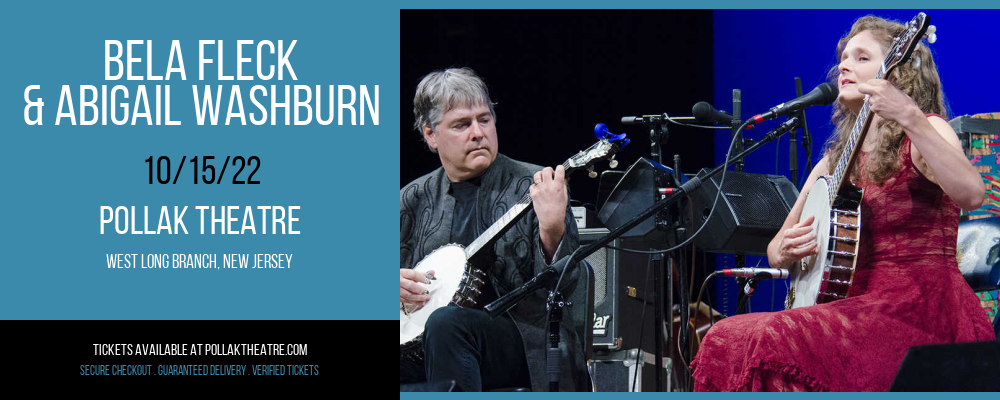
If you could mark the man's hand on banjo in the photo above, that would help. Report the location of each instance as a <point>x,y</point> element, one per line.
<point>413,295</point>
<point>549,196</point>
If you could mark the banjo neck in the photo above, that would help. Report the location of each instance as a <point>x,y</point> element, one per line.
<point>850,154</point>
<point>503,224</point>
<point>605,148</point>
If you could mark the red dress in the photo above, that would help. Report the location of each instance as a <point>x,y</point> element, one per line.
<point>908,291</point>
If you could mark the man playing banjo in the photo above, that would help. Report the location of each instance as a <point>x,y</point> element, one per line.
<point>455,204</point>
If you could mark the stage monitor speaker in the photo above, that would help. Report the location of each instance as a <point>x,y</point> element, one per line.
<point>617,371</point>
<point>635,192</point>
<point>956,367</point>
<point>609,179</point>
<point>749,213</point>
<point>620,290</point>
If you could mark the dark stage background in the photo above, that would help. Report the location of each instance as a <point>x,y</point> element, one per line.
<point>555,73</point>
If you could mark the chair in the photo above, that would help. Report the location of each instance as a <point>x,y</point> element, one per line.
<point>979,256</point>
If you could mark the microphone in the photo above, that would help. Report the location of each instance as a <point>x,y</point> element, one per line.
<point>757,273</point>
<point>704,112</point>
<point>823,94</point>
<point>643,119</point>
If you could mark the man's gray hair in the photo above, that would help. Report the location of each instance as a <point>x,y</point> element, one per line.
<point>442,91</point>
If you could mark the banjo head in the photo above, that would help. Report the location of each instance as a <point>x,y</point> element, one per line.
<point>807,274</point>
<point>449,266</point>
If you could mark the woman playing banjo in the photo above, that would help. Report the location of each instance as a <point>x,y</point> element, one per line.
<point>907,289</point>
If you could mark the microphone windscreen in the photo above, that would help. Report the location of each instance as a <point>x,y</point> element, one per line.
<point>702,111</point>
<point>830,93</point>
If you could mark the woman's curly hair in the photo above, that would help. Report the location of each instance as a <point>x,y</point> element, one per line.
<point>917,78</point>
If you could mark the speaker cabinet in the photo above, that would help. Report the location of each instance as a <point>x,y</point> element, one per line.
<point>749,213</point>
<point>620,291</point>
<point>605,264</point>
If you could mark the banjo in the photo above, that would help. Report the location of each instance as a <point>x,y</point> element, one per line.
<point>836,203</point>
<point>457,281</point>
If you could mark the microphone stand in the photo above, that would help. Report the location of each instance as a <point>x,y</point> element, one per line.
<point>658,133</point>
<point>793,152</point>
<point>553,356</point>
<point>683,334</point>
<point>748,290</point>
<point>739,260</point>
<point>552,273</point>
<point>806,140</point>
<point>806,143</point>
<point>735,125</point>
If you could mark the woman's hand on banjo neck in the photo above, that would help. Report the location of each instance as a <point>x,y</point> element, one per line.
<point>935,148</point>
<point>412,294</point>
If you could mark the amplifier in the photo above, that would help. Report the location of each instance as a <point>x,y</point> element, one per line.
<point>620,292</point>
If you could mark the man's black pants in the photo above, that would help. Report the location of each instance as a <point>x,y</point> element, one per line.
<point>466,346</point>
